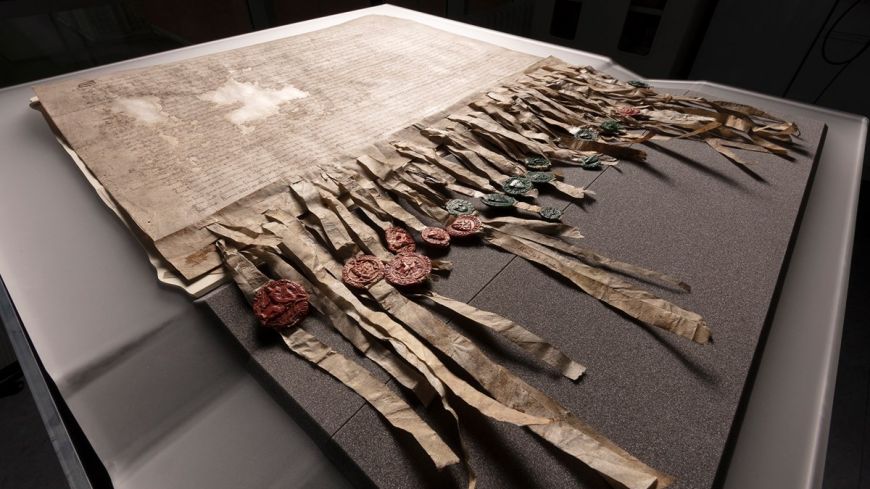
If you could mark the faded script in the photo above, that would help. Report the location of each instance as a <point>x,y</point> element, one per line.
<point>173,144</point>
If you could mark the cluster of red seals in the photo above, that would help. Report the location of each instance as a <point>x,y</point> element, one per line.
<point>408,269</point>
<point>399,240</point>
<point>281,304</point>
<point>464,226</point>
<point>437,237</point>
<point>628,111</point>
<point>362,271</point>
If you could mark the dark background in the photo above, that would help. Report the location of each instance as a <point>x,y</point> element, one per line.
<point>813,51</point>
<point>808,50</point>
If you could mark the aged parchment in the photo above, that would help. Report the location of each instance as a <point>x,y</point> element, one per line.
<point>175,144</point>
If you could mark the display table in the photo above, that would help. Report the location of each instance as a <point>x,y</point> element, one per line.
<point>167,400</point>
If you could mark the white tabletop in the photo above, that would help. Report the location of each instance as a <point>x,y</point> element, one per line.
<point>168,401</point>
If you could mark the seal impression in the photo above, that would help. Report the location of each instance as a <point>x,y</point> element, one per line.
<point>464,226</point>
<point>459,207</point>
<point>363,271</point>
<point>408,269</point>
<point>537,162</point>
<point>516,185</point>
<point>281,304</point>
<point>610,126</point>
<point>586,133</point>
<point>437,237</point>
<point>591,162</point>
<point>400,241</point>
<point>498,200</point>
<point>541,176</point>
<point>628,111</point>
<point>550,213</point>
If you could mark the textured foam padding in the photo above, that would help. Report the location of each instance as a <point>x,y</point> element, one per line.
<point>687,211</point>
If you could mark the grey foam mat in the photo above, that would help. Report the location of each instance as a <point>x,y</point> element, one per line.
<point>686,211</point>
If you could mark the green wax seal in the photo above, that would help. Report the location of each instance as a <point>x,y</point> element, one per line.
<point>586,133</point>
<point>516,185</point>
<point>498,200</point>
<point>537,162</point>
<point>638,84</point>
<point>550,213</point>
<point>541,176</point>
<point>610,126</point>
<point>459,207</point>
<point>590,162</point>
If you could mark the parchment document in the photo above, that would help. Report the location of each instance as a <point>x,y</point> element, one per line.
<point>176,144</point>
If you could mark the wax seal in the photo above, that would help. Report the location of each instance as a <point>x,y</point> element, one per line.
<point>591,162</point>
<point>362,271</point>
<point>537,162</point>
<point>610,126</point>
<point>541,176</point>
<point>399,240</point>
<point>498,200</point>
<point>586,133</point>
<point>437,237</point>
<point>408,269</point>
<point>628,111</point>
<point>280,304</point>
<point>516,185</point>
<point>550,213</point>
<point>459,207</point>
<point>464,226</point>
<point>638,83</point>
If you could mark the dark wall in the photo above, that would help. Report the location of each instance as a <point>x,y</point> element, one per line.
<point>42,38</point>
<point>772,46</point>
<point>775,47</point>
<point>39,38</point>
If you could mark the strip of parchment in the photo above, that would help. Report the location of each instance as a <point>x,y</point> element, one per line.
<point>392,407</point>
<point>515,333</point>
<point>565,430</point>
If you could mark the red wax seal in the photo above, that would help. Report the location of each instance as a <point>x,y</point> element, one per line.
<point>400,241</point>
<point>281,304</point>
<point>408,269</point>
<point>438,237</point>
<point>628,111</point>
<point>464,226</point>
<point>362,271</point>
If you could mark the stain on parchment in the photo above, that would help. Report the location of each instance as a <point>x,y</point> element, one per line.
<point>256,102</point>
<point>144,109</point>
